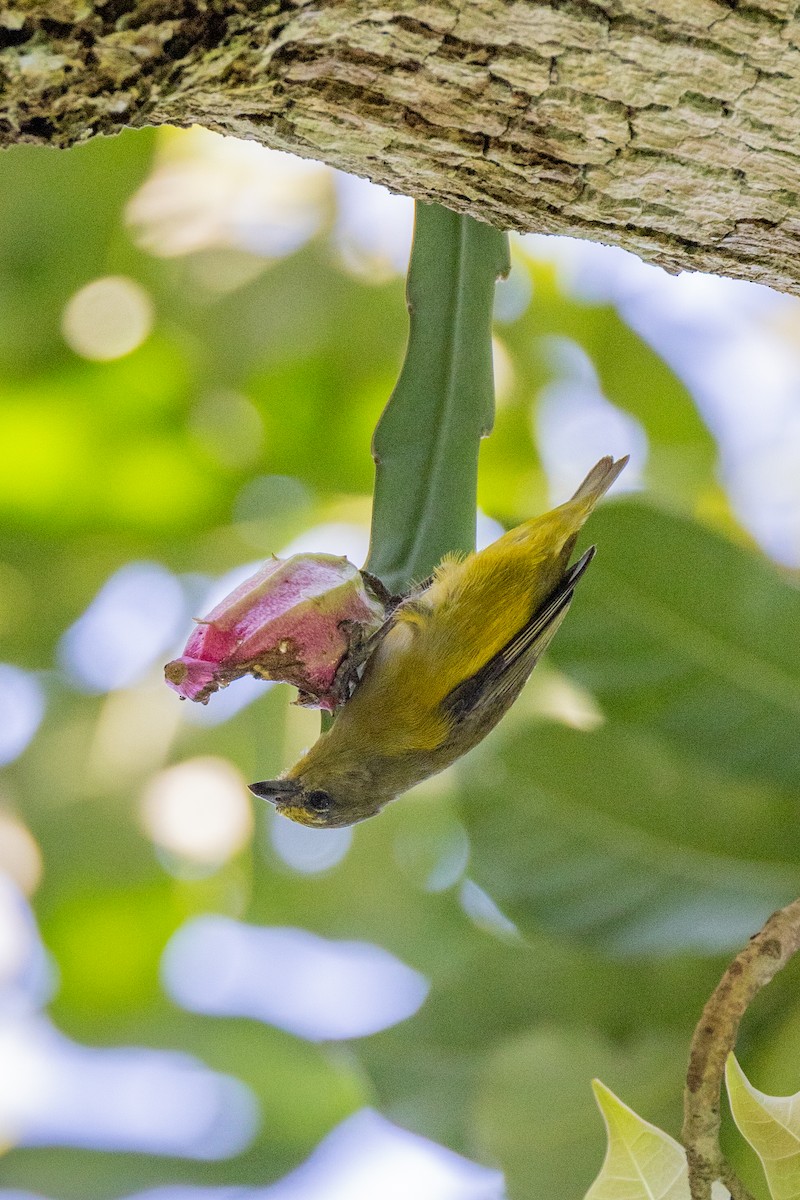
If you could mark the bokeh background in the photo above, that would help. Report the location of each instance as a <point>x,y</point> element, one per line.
<point>199,1001</point>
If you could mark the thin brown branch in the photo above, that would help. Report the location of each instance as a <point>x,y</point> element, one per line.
<point>715,1037</point>
<point>733,1183</point>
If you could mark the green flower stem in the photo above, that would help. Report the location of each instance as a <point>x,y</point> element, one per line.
<point>426,442</point>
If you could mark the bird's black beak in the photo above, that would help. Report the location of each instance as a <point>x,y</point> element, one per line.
<point>275,790</point>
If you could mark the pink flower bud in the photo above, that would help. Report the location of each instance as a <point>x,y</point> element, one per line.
<point>294,621</point>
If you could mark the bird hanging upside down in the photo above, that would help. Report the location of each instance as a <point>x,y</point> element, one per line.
<point>448,663</point>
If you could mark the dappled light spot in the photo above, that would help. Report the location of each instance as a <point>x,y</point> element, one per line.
<point>132,735</point>
<point>728,341</point>
<point>107,318</point>
<point>693,924</point>
<point>311,986</point>
<point>513,294</point>
<point>198,810</point>
<point>305,850</point>
<point>430,844</point>
<point>229,428</point>
<point>503,373</point>
<point>373,229</point>
<point>261,496</point>
<point>594,273</point>
<point>20,856</point>
<point>211,192</point>
<point>25,971</point>
<point>439,865</point>
<point>573,418</point>
<point>332,538</point>
<point>54,1092</point>
<point>562,699</point>
<point>487,530</point>
<point>483,912</point>
<point>760,443</point>
<point>367,1157</point>
<point>132,621</point>
<point>223,271</point>
<point>22,706</point>
<point>590,271</point>
<point>264,500</point>
<point>209,593</point>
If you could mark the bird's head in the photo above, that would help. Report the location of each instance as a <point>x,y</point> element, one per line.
<point>323,804</point>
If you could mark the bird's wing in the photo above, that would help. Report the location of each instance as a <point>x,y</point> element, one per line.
<point>497,684</point>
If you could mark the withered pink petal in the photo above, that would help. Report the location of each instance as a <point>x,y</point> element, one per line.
<point>293,620</point>
<point>189,676</point>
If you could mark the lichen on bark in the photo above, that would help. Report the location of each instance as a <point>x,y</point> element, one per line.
<point>669,127</point>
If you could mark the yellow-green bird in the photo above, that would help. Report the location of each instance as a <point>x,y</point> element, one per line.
<point>449,662</point>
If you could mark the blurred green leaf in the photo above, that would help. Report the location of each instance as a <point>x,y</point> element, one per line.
<point>644,835</point>
<point>426,1071</point>
<point>574,853</point>
<point>680,633</point>
<point>535,1114</point>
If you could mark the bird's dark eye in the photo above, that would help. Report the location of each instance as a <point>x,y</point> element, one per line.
<point>318,801</point>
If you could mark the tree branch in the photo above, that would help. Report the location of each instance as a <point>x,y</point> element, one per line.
<point>671,129</point>
<point>715,1037</point>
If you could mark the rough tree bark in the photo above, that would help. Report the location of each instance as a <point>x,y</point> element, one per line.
<point>669,127</point>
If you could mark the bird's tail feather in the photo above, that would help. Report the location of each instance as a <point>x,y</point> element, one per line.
<point>599,479</point>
